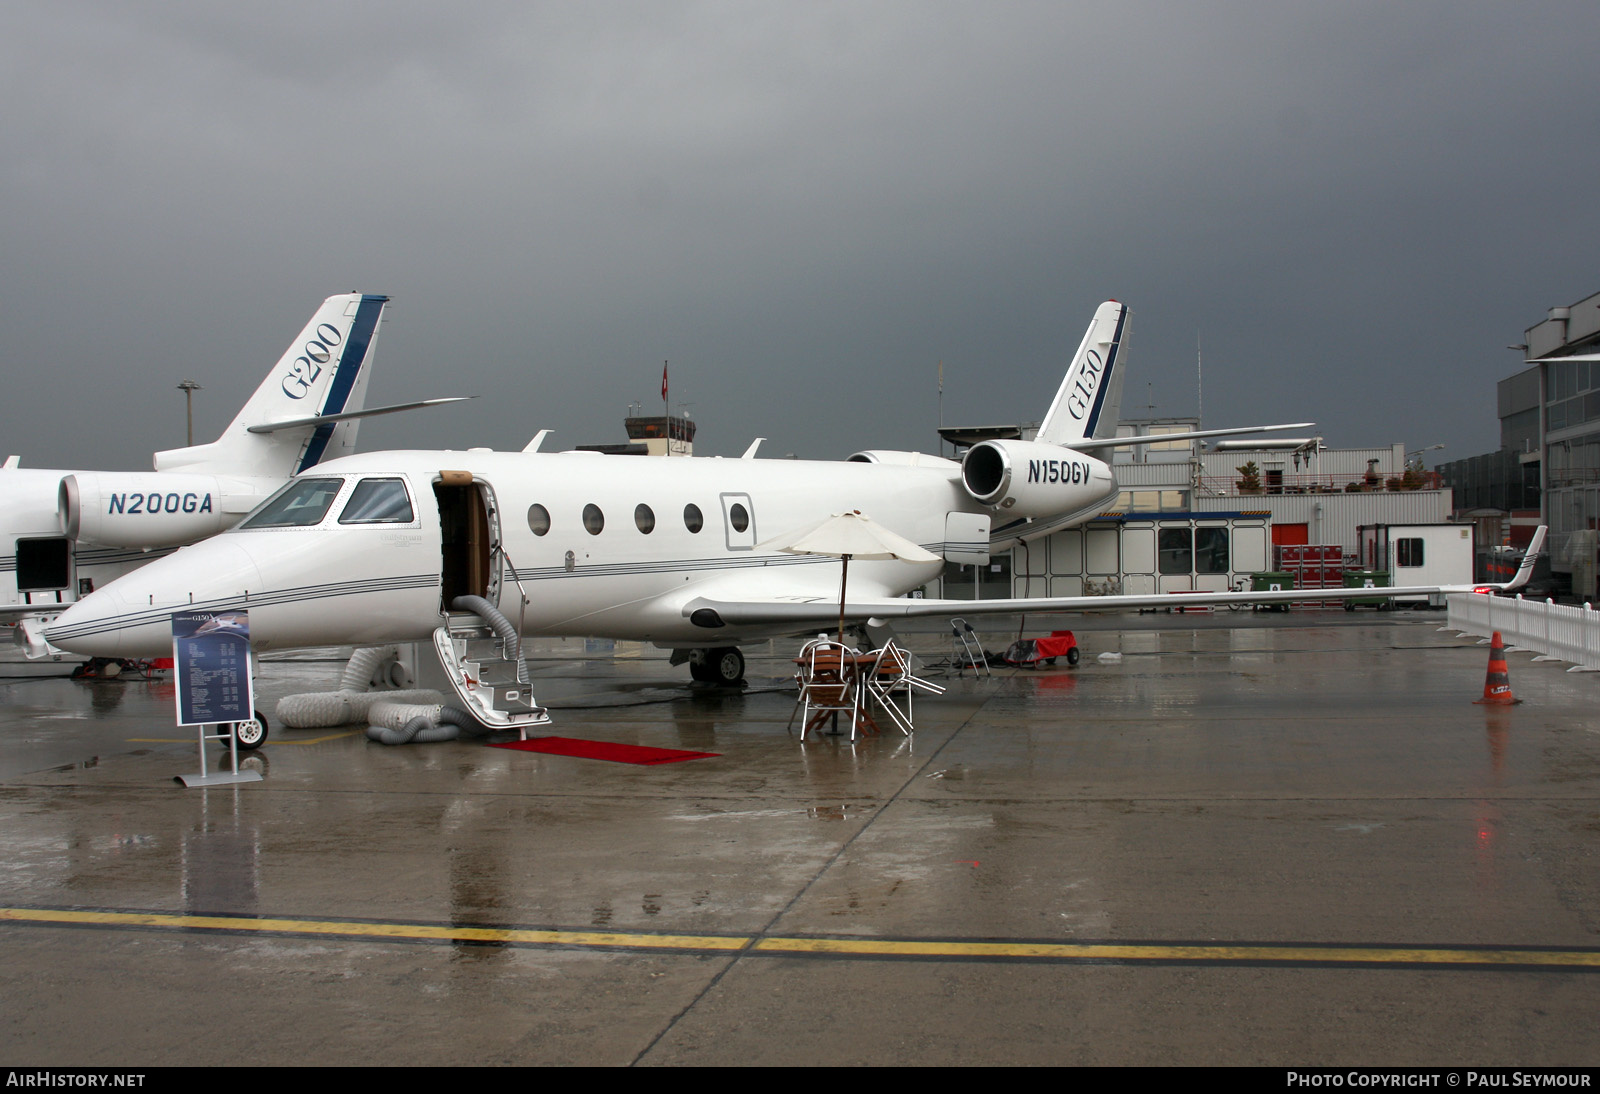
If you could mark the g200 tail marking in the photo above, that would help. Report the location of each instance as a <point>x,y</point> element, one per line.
<point>308,366</point>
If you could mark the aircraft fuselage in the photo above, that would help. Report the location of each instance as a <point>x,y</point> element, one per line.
<point>608,546</point>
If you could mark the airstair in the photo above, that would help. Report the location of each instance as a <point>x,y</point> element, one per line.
<point>484,674</point>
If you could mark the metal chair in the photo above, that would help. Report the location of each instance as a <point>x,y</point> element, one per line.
<point>891,675</point>
<point>829,686</point>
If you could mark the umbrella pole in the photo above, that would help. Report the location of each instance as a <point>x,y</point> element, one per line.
<point>844,579</point>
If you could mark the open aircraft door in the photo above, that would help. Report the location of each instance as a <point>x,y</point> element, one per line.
<point>469,538</point>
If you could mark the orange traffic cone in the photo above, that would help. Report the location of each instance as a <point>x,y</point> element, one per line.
<point>1497,685</point>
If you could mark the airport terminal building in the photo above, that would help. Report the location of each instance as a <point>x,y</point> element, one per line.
<point>1549,456</point>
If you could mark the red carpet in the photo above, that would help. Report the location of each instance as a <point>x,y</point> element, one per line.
<point>604,750</point>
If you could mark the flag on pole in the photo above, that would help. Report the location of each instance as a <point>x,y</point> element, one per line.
<point>663,381</point>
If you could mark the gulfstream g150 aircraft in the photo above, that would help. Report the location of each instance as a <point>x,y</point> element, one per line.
<point>375,548</point>
<point>63,533</point>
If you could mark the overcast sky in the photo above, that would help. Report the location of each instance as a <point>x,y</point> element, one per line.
<point>1352,208</point>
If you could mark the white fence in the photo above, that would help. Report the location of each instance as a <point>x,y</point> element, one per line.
<point>1558,632</point>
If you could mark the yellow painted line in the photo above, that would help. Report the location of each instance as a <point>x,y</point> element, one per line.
<point>315,740</point>
<point>403,931</point>
<point>275,741</point>
<point>1159,951</point>
<point>1260,954</point>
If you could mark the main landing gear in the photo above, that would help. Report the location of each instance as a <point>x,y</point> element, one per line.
<point>723,666</point>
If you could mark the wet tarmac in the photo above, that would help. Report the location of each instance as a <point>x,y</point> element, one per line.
<point>1252,840</point>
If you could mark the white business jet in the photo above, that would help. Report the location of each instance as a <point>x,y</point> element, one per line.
<point>376,548</point>
<point>65,533</point>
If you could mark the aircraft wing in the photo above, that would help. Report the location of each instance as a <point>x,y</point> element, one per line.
<point>807,611</point>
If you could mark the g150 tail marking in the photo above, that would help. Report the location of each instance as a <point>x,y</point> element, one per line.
<point>1081,397</point>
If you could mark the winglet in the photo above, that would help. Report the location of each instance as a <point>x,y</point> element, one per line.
<point>538,439</point>
<point>750,453</point>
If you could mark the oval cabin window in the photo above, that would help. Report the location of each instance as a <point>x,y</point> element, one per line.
<point>593,519</point>
<point>645,518</point>
<point>692,519</point>
<point>538,519</point>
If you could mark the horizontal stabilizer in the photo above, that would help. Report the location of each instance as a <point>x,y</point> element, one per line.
<point>1154,438</point>
<point>320,419</point>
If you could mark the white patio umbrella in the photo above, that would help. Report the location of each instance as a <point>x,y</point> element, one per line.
<point>846,536</point>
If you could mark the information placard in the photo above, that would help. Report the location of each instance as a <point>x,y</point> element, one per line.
<point>211,658</point>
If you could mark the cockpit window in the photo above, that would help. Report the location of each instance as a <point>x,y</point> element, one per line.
<point>302,503</point>
<point>377,501</point>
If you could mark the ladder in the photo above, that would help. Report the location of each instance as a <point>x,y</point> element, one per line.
<point>968,650</point>
<point>484,678</point>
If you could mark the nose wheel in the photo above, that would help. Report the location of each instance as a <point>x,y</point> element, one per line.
<point>251,733</point>
<point>724,666</point>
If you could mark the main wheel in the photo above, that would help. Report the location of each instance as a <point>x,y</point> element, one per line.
<point>726,666</point>
<point>251,733</point>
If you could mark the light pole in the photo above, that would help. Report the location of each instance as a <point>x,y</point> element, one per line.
<point>189,387</point>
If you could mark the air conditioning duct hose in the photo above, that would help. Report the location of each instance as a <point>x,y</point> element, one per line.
<point>501,626</point>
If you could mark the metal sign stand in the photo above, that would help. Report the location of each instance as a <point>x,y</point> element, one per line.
<point>221,777</point>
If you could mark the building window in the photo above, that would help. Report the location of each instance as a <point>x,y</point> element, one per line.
<point>1210,550</point>
<point>1408,552</point>
<point>1176,550</point>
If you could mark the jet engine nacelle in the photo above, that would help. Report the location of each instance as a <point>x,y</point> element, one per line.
<point>1028,479</point>
<point>151,509</point>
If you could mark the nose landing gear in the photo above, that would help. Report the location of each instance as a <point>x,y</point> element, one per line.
<point>251,733</point>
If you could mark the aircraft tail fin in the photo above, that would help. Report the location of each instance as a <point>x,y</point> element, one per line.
<point>1089,401</point>
<point>323,373</point>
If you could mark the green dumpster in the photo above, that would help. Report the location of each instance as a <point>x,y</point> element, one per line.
<point>1271,581</point>
<point>1366,579</point>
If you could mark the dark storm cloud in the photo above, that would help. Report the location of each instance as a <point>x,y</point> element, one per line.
<point>806,207</point>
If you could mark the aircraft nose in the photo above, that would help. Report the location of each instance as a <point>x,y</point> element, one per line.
<point>132,616</point>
